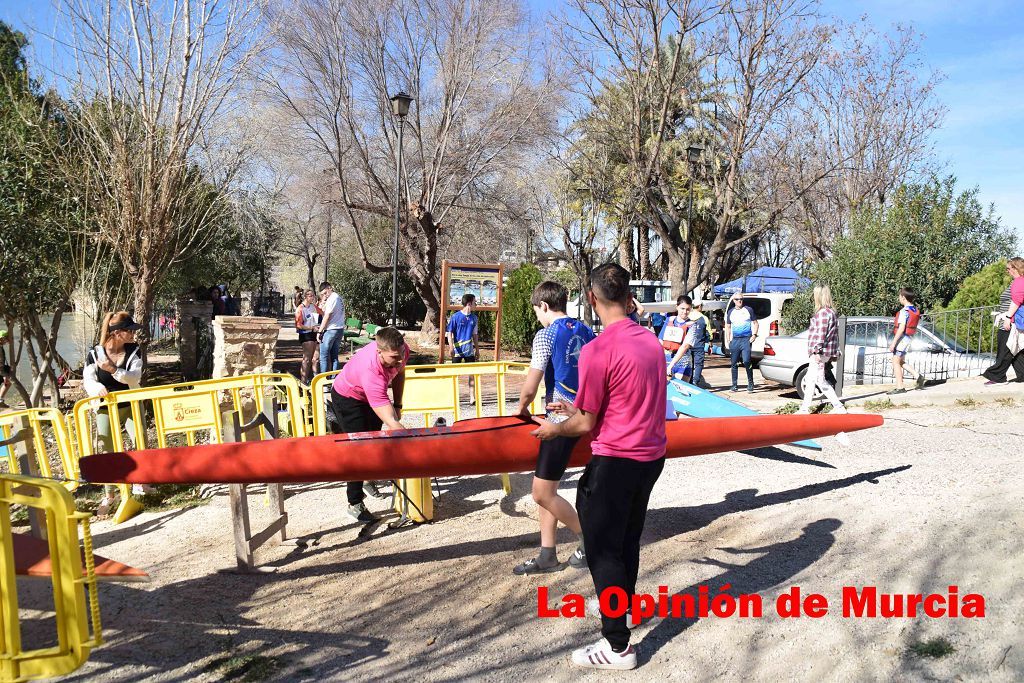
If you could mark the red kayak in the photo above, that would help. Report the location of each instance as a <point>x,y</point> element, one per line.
<point>489,445</point>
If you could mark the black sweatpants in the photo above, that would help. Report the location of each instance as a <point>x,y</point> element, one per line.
<point>611,499</point>
<point>1005,360</point>
<point>354,416</point>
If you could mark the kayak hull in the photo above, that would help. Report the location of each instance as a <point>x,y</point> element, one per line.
<point>692,401</point>
<point>489,445</point>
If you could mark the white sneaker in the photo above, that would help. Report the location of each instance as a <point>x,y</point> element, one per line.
<point>803,411</point>
<point>600,655</point>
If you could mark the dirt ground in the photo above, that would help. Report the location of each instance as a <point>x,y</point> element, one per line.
<point>931,499</point>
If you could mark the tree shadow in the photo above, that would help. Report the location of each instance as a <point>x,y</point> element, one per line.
<point>778,563</point>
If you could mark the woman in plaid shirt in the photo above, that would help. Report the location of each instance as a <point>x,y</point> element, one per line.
<point>822,347</point>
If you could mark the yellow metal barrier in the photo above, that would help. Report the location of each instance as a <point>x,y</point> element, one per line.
<point>74,638</point>
<point>38,420</point>
<point>432,389</point>
<point>187,409</point>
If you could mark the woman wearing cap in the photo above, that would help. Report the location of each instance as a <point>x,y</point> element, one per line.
<point>115,364</point>
<point>307,320</point>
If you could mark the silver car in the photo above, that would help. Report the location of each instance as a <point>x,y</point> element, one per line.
<point>867,359</point>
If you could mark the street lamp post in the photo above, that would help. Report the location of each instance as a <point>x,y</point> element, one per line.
<point>400,108</point>
<point>693,153</point>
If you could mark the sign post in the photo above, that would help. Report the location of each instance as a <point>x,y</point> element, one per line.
<point>482,279</point>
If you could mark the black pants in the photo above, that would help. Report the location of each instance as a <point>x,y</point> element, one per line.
<point>611,499</point>
<point>354,416</point>
<point>1004,360</point>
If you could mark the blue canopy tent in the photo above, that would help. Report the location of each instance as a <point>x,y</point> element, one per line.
<point>764,279</point>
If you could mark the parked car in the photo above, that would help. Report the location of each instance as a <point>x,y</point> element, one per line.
<point>867,356</point>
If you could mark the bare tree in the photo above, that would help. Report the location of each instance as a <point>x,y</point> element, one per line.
<point>479,105</point>
<point>153,80</point>
<point>763,86</point>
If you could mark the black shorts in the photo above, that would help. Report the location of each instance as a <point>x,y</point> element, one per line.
<point>464,359</point>
<point>554,457</point>
<point>307,337</point>
<point>352,415</point>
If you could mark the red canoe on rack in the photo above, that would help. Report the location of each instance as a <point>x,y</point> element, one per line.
<point>489,445</point>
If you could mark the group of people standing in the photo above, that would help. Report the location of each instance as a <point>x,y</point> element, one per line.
<point>320,322</point>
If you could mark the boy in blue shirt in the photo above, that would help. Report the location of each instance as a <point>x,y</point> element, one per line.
<point>463,334</point>
<point>555,359</point>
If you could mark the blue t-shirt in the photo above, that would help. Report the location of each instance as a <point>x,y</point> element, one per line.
<point>462,327</point>
<point>740,319</point>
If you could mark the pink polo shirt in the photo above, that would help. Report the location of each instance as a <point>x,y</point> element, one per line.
<point>622,381</point>
<point>365,379</point>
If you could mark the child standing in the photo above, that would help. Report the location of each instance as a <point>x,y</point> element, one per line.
<point>556,355</point>
<point>905,327</point>
<point>463,334</point>
<point>677,338</point>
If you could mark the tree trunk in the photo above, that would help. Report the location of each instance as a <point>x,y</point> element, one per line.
<point>145,293</point>
<point>644,249</point>
<point>626,248</point>
<point>676,273</point>
<point>311,272</point>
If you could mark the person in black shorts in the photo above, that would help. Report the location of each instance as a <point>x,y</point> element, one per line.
<point>463,333</point>
<point>556,352</point>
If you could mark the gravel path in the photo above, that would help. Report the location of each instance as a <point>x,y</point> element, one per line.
<point>931,499</point>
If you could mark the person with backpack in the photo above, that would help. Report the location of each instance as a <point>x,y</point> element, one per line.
<point>555,359</point>
<point>904,329</point>
<point>1010,319</point>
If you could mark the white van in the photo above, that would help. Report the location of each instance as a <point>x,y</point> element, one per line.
<point>767,307</point>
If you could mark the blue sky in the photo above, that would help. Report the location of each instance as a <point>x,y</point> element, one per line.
<point>978,45</point>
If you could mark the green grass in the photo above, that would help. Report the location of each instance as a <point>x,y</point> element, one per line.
<point>172,497</point>
<point>246,668</point>
<point>936,648</point>
<point>883,404</point>
<point>788,408</point>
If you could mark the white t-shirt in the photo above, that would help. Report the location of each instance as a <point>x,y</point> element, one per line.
<point>334,311</point>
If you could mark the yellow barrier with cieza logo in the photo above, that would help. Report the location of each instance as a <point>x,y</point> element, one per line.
<point>432,389</point>
<point>185,410</point>
<point>73,613</point>
<point>38,420</point>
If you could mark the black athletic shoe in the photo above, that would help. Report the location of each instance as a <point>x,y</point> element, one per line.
<point>370,489</point>
<point>578,559</point>
<point>531,567</point>
<point>896,391</point>
<point>361,514</point>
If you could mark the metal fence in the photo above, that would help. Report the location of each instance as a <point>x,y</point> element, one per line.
<point>949,344</point>
<point>163,324</point>
<point>268,305</point>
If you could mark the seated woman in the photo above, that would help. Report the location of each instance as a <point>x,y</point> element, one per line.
<point>115,364</point>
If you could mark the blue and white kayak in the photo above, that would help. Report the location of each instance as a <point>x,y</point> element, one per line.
<point>692,401</point>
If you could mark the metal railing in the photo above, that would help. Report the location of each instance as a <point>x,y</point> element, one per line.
<point>949,344</point>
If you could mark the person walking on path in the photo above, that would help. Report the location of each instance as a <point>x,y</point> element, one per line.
<point>1011,306</point>
<point>823,348</point>
<point>307,321</point>
<point>332,327</point>
<point>115,364</point>
<point>740,332</point>
<point>555,359</point>
<point>904,329</point>
<point>463,332</point>
<point>360,402</point>
<point>621,402</point>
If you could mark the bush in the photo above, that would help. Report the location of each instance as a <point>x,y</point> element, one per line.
<point>797,312</point>
<point>518,323</point>
<point>928,237</point>
<point>368,295</point>
<point>983,288</point>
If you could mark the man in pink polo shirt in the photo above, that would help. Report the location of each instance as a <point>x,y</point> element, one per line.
<point>359,398</point>
<point>621,403</point>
